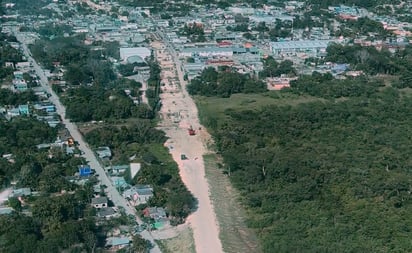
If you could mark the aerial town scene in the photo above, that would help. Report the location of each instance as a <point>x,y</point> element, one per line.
<point>205,126</point>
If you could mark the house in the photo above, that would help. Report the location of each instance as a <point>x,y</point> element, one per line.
<point>24,110</point>
<point>117,169</point>
<point>23,65</point>
<point>99,202</point>
<point>14,112</point>
<point>85,170</point>
<point>139,194</point>
<point>117,242</point>
<point>104,152</point>
<point>19,85</point>
<point>9,64</point>
<point>154,212</point>
<point>119,182</point>
<point>20,192</point>
<point>158,214</point>
<point>18,75</point>
<point>107,213</point>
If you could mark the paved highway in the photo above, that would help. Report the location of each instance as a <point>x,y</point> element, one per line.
<point>88,154</point>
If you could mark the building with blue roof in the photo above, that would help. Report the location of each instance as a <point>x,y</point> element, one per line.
<point>24,110</point>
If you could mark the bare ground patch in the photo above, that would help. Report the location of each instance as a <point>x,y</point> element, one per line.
<point>183,243</point>
<point>235,235</point>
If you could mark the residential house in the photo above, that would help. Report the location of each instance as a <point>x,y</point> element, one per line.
<point>139,194</point>
<point>21,192</point>
<point>117,243</point>
<point>19,85</point>
<point>107,213</point>
<point>154,212</point>
<point>9,64</point>
<point>14,112</point>
<point>119,182</point>
<point>99,202</point>
<point>18,75</point>
<point>84,170</point>
<point>104,152</point>
<point>117,169</point>
<point>158,214</point>
<point>24,110</point>
<point>23,65</point>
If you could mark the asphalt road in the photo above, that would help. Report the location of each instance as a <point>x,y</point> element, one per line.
<point>88,154</point>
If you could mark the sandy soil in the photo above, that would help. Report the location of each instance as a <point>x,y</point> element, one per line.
<point>177,102</point>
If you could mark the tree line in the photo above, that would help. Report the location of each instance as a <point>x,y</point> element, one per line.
<point>223,83</point>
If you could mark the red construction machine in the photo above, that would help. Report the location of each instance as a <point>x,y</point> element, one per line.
<point>191,131</point>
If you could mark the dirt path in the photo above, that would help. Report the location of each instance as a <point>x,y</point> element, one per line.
<point>179,112</point>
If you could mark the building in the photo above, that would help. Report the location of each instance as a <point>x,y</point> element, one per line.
<point>127,52</point>
<point>107,213</point>
<point>117,243</point>
<point>139,194</point>
<point>117,169</point>
<point>20,85</point>
<point>24,110</point>
<point>104,152</point>
<point>85,170</point>
<point>21,192</point>
<point>207,52</point>
<point>154,212</point>
<point>45,107</point>
<point>310,47</point>
<point>99,202</point>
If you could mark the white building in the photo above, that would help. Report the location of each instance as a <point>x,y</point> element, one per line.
<point>312,47</point>
<point>127,52</point>
<point>207,52</point>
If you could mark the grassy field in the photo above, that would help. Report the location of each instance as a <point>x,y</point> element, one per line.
<point>234,234</point>
<point>217,106</point>
<point>183,243</point>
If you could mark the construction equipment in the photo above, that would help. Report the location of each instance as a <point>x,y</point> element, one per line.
<point>191,131</point>
<point>183,157</point>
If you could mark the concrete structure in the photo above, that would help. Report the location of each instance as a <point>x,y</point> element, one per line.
<point>127,52</point>
<point>117,243</point>
<point>99,202</point>
<point>313,47</point>
<point>104,152</point>
<point>20,192</point>
<point>24,110</point>
<point>207,52</point>
<point>139,194</point>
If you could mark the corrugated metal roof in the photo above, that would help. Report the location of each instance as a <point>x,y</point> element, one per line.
<point>300,44</point>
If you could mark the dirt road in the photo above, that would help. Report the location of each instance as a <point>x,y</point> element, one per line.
<point>179,112</point>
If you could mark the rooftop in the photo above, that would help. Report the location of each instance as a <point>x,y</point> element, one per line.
<point>99,200</point>
<point>300,44</point>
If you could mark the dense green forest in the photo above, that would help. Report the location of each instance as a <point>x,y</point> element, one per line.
<point>323,176</point>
